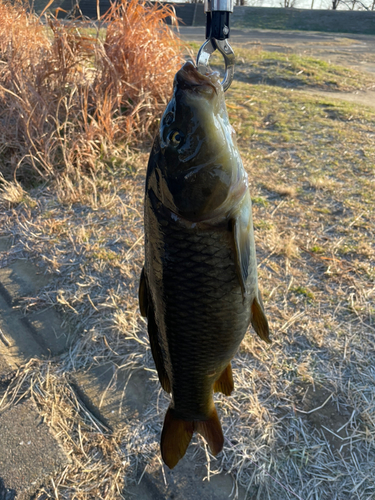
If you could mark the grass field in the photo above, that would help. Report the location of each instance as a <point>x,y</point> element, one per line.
<point>330,21</point>
<point>301,422</point>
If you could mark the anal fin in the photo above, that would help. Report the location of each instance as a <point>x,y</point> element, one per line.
<point>259,320</point>
<point>224,383</point>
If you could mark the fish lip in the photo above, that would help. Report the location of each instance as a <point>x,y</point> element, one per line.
<point>189,78</point>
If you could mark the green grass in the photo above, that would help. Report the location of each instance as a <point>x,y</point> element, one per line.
<point>292,70</point>
<point>301,290</point>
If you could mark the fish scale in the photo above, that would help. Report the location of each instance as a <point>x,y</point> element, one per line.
<point>200,332</point>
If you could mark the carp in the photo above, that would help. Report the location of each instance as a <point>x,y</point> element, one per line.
<point>199,287</point>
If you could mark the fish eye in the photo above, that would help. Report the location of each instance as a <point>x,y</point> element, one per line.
<point>175,138</point>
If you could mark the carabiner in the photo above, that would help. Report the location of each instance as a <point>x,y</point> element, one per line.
<point>217,33</point>
<point>205,52</point>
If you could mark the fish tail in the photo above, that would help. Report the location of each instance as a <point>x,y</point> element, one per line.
<point>211,430</point>
<point>175,438</point>
<point>177,434</point>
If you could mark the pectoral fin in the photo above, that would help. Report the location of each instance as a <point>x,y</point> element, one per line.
<point>259,320</point>
<point>147,311</point>
<point>224,383</point>
<point>243,247</point>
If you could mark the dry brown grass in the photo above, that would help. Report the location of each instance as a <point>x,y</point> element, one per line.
<point>283,190</point>
<point>11,193</point>
<point>69,101</point>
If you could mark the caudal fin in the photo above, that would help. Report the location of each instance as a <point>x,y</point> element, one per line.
<point>175,438</point>
<point>211,430</point>
<point>177,435</point>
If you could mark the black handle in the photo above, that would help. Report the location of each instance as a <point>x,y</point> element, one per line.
<point>217,24</point>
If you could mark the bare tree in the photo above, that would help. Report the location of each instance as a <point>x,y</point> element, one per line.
<point>353,4</point>
<point>289,4</point>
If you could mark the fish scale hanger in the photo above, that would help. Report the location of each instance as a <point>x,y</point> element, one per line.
<point>217,33</point>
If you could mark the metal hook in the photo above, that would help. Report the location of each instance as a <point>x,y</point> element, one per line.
<point>226,50</point>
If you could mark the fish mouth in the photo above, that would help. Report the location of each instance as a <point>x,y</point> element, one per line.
<point>189,78</point>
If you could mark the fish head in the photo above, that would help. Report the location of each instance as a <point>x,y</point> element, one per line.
<point>198,164</point>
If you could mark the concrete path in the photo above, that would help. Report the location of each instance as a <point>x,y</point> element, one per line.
<point>366,98</point>
<point>29,454</point>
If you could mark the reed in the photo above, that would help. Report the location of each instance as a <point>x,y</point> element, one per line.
<point>69,99</point>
